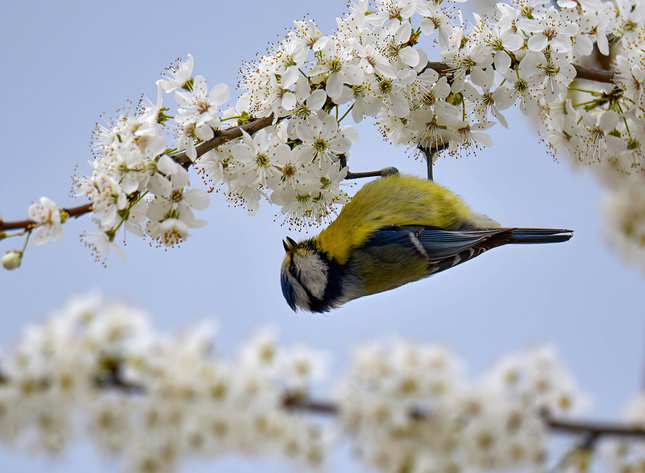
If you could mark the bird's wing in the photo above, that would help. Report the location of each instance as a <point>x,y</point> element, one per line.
<point>398,254</point>
<point>443,247</point>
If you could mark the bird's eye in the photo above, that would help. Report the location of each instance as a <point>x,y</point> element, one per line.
<point>292,267</point>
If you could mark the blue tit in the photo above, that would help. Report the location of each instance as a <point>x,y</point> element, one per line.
<point>395,230</point>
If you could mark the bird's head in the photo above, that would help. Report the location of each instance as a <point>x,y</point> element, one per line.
<point>304,275</point>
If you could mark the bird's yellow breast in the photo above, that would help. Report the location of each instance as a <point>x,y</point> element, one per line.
<point>392,200</point>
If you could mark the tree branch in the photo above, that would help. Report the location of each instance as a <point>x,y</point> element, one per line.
<point>111,377</point>
<point>222,136</point>
<point>587,73</point>
<point>225,135</point>
<point>71,211</point>
<point>591,429</point>
<point>380,173</point>
<point>594,429</point>
<point>596,75</point>
<point>296,402</point>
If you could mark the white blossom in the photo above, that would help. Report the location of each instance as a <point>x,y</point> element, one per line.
<point>199,107</point>
<point>178,76</point>
<point>549,29</point>
<point>322,142</point>
<point>47,218</point>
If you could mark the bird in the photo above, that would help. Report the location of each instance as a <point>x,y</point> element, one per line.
<point>395,230</point>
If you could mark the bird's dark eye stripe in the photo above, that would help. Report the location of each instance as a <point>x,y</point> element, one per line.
<point>292,267</point>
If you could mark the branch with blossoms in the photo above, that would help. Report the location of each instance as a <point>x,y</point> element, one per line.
<point>431,82</point>
<point>254,125</point>
<point>112,378</point>
<point>229,134</point>
<point>155,400</point>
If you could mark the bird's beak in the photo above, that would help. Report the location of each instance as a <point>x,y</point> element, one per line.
<point>289,244</point>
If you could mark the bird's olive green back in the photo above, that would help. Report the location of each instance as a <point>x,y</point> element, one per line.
<point>392,200</point>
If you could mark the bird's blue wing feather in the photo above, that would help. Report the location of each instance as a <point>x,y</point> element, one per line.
<point>435,244</point>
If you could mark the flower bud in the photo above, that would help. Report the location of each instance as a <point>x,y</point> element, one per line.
<point>12,259</point>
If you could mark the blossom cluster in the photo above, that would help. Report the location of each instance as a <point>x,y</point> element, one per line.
<point>411,408</point>
<point>99,369</point>
<point>151,398</point>
<point>599,123</point>
<point>624,213</point>
<point>628,455</point>
<point>135,184</point>
<point>430,80</point>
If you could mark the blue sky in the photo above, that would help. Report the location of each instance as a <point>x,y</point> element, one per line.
<point>65,64</point>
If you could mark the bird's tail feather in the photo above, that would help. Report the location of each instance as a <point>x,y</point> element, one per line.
<point>540,235</point>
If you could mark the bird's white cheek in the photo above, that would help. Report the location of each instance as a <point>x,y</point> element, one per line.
<point>313,274</point>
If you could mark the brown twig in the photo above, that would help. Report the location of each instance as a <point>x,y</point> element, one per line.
<point>582,72</point>
<point>595,429</point>
<point>295,402</point>
<point>380,173</point>
<point>440,67</point>
<point>596,75</point>
<point>74,212</point>
<point>111,377</point>
<point>429,155</point>
<point>221,137</point>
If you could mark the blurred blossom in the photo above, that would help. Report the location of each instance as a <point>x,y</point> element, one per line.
<point>625,454</point>
<point>156,399</point>
<point>150,398</point>
<point>624,212</point>
<point>410,406</point>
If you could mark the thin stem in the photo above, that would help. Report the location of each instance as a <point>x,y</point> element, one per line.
<point>428,157</point>
<point>577,89</point>
<point>380,173</point>
<point>627,127</point>
<point>24,247</point>
<point>585,103</point>
<point>345,114</point>
<point>132,204</point>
